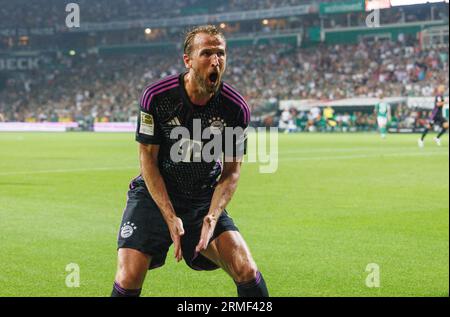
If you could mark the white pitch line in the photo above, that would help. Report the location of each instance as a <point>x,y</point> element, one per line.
<point>312,158</point>
<point>352,149</point>
<point>350,157</point>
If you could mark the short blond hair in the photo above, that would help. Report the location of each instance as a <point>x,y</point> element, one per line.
<point>190,36</point>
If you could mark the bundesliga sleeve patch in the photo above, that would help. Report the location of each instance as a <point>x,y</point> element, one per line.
<point>147,125</point>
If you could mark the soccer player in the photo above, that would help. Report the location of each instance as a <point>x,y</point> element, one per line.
<point>183,202</point>
<point>328,113</point>
<point>285,119</point>
<point>383,113</point>
<point>436,118</point>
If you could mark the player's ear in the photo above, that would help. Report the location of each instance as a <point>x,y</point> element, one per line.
<point>187,61</point>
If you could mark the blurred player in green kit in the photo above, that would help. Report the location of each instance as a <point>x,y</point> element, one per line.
<point>383,113</point>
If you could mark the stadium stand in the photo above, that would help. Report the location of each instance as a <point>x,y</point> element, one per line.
<point>104,87</point>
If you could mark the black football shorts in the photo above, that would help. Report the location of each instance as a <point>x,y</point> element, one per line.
<point>439,121</point>
<point>143,228</point>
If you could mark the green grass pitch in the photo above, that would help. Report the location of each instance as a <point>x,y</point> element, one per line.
<point>336,203</point>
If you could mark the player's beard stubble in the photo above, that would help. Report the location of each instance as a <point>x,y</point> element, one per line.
<point>205,86</point>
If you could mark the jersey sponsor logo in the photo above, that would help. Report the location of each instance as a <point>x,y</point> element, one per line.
<point>147,125</point>
<point>190,150</point>
<point>206,145</point>
<point>127,230</point>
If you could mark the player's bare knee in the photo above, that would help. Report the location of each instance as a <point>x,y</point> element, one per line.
<point>245,273</point>
<point>129,279</point>
<point>132,268</point>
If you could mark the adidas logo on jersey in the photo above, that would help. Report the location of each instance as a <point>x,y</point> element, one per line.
<point>174,121</point>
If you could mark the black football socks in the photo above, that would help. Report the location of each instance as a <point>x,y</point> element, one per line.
<point>254,288</point>
<point>443,130</point>
<point>424,134</point>
<point>118,291</point>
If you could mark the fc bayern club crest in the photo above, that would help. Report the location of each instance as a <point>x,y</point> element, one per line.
<point>217,125</point>
<point>127,230</point>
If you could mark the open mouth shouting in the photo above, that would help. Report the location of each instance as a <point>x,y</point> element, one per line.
<point>213,78</point>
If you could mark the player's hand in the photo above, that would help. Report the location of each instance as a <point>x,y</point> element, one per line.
<point>176,231</point>
<point>209,224</point>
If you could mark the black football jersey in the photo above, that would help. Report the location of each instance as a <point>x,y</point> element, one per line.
<point>165,108</point>
<point>437,111</point>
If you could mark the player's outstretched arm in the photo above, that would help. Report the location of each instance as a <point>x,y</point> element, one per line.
<point>222,195</point>
<point>148,154</point>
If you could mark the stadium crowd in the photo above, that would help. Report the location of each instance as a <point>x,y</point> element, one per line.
<point>51,13</point>
<point>107,87</point>
<point>29,25</point>
<point>30,13</point>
